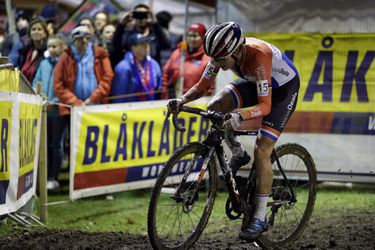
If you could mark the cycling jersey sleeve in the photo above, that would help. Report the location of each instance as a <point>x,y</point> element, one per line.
<point>203,85</point>
<point>262,73</point>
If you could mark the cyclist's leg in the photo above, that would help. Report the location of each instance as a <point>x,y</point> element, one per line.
<point>233,96</point>
<point>284,101</point>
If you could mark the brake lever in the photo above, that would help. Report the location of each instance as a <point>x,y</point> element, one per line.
<point>176,124</point>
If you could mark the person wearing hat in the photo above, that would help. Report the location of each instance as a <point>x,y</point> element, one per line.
<point>83,75</point>
<point>138,76</point>
<point>194,65</point>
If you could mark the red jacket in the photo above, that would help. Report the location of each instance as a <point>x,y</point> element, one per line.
<point>65,76</point>
<point>193,69</point>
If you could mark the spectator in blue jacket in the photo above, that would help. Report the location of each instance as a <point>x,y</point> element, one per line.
<point>55,123</point>
<point>138,77</point>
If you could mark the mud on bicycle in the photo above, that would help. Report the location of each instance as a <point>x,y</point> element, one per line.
<point>181,204</point>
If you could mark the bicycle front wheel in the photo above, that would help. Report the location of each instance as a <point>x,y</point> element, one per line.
<point>180,205</point>
<point>293,196</point>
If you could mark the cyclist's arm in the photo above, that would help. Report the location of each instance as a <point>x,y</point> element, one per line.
<point>203,85</point>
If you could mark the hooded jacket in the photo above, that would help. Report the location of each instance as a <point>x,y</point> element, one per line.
<point>65,76</point>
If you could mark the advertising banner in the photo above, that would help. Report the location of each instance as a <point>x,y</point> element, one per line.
<point>337,72</point>
<point>20,117</point>
<point>124,146</point>
<point>9,80</point>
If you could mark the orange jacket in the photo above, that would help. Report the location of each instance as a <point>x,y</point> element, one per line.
<point>193,69</point>
<point>65,76</point>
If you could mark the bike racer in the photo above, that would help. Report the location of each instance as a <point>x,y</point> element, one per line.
<point>267,87</point>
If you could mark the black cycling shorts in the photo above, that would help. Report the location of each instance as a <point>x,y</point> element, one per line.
<point>284,102</point>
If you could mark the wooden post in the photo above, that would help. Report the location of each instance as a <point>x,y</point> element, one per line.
<point>42,163</point>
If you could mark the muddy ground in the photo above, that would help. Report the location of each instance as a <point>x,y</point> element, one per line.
<point>343,230</point>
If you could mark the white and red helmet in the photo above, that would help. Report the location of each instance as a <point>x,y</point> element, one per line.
<point>223,39</point>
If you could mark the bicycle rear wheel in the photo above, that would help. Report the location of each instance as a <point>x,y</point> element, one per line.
<point>177,215</point>
<point>290,216</point>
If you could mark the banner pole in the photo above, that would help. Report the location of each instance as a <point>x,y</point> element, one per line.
<point>42,163</point>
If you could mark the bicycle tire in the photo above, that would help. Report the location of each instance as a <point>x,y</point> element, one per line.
<point>303,180</point>
<point>158,218</point>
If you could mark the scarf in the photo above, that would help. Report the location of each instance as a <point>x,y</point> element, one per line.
<point>86,82</point>
<point>144,76</point>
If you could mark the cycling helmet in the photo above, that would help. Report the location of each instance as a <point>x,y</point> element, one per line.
<point>223,39</point>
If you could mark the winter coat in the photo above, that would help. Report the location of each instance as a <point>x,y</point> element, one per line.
<point>127,81</point>
<point>65,76</point>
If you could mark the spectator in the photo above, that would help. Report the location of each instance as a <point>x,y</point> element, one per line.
<point>51,26</point>
<point>55,123</point>
<point>144,24</point>
<point>194,65</point>
<point>49,13</point>
<point>19,40</point>
<point>107,35</point>
<point>21,37</point>
<point>83,74</point>
<point>28,58</point>
<point>164,18</point>
<point>100,20</point>
<point>90,24</point>
<point>138,76</point>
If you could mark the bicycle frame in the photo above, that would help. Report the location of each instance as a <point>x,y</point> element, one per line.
<point>214,142</point>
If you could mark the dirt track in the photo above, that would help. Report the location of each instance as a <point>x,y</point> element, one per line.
<point>344,230</point>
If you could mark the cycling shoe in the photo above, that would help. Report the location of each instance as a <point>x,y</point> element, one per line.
<point>254,230</point>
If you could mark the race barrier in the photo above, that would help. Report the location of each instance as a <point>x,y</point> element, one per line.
<point>20,121</point>
<point>124,146</point>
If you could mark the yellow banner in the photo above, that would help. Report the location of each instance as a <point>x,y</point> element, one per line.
<point>337,71</point>
<point>9,80</point>
<point>127,138</point>
<point>28,128</point>
<point>5,138</point>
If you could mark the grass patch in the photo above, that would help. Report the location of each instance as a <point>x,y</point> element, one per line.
<point>128,211</point>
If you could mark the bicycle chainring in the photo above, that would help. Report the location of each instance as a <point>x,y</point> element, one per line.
<point>230,210</point>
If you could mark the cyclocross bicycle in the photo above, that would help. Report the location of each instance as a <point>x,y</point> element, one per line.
<point>184,193</point>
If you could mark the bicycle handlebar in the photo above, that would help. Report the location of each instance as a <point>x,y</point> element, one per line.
<point>215,117</point>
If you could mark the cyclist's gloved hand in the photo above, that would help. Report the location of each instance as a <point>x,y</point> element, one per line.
<point>174,105</point>
<point>232,121</point>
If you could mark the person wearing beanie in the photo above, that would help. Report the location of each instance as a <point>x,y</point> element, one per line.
<point>83,74</point>
<point>194,65</point>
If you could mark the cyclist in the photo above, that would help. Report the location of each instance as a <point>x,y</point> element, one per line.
<point>267,87</point>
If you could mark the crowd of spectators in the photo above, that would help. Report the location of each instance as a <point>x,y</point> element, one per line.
<point>135,58</point>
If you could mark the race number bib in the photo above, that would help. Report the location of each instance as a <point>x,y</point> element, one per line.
<point>209,70</point>
<point>262,88</point>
